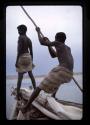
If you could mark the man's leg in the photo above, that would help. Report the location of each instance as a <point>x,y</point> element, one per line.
<point>31,99</point>
<point>54,94</point>
<point>32,79</point>
<point>20,77</point>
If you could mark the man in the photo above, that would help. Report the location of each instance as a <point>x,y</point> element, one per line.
<point>24,61</point>
<point>60,74</point>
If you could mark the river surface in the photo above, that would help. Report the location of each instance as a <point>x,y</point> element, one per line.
<point>68,92</point>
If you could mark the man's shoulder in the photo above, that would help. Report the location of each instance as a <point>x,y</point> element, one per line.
<point>68,47</point>
<point>28,38</point>
<point>24,37</point>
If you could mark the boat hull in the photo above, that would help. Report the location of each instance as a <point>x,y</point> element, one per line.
<point>50,107</point>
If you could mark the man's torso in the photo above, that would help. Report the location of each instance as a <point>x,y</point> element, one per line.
<point>23,44</point>
<point>64,56</point>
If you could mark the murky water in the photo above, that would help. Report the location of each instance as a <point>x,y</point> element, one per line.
<point>67,91</point>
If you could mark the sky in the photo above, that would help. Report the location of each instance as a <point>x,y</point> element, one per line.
<point>50,19</point>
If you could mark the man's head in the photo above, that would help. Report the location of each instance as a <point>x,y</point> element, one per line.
<point>60,36</point>
<point>22,29</point>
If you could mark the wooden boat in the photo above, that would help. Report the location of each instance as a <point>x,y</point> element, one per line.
<point>45,107</point>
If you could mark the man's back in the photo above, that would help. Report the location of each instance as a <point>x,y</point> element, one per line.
<point>24,43</point>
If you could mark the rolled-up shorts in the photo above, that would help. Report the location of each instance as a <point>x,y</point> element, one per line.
<point>55,78</point>
<point>24,63</point>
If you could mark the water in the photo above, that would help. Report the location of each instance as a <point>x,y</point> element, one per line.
<point>68,92</point>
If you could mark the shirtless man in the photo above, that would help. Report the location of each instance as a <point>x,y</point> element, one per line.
<point>24,61</point>
<point>60,74</point>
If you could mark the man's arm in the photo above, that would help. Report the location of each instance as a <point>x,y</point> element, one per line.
<point>31,48</point>
<point>44,40</point>
<point>18,51</point>
<point>52,52</point>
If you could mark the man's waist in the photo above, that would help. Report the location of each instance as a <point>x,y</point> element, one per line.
<point>69,68</point>
<point>25,54</point>
<point>66,69</point>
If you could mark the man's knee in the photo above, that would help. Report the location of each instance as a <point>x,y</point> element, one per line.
<point>37,89</point>
<point>29,72</point>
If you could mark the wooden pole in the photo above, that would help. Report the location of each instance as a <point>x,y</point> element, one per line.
<point>31,19</point>
<point>77,84</point>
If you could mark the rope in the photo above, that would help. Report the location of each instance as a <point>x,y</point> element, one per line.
<point>31,19</point>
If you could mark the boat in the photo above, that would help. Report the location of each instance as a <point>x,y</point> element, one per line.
<point>45,107</point>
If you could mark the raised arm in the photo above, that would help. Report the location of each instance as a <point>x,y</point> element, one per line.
<point>46,42</point>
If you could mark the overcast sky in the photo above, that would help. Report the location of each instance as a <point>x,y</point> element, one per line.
<point>51,19</point>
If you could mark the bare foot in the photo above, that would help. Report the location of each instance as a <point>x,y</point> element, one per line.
<point>18,97</point>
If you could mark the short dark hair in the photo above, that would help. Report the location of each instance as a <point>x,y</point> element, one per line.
<point>22,27</point>
<point>60,36</point>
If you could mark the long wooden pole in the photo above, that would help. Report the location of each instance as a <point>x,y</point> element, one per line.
<point>31,19</point>
<point>77,84</point>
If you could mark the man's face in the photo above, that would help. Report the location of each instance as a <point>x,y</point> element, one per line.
<point>21,32</point>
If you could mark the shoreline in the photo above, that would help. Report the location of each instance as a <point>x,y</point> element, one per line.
<point>25,77</point>
<point>38,76</point>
